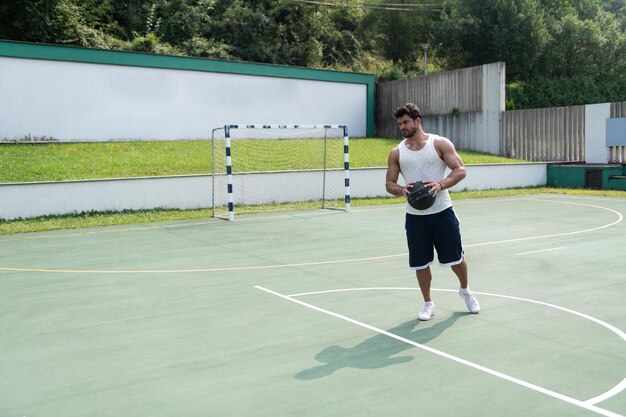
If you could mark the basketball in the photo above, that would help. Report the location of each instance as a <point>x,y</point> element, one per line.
<point>419,196</point>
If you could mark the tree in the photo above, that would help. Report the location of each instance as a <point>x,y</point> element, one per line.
<point>181,20</point>
<point>28,20</point>
<point>617,8</point>
<point>465,36</point>
<point>593,47</point>
<point>520,37</point>
<point>130,17</point>
<point>297,33</point>
<point>550,38</point>
<point>51,21</point>
<point>247,29</point>
<point>314,35</point>
<point>398,34</point>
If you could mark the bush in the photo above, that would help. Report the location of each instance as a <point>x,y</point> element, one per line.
<point>556,92</point>
<point>151,44</point>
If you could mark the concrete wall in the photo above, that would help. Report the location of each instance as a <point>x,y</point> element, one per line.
<point>479,120</point>
<point>189,192</point>
<point>81,94</point>
<point>548,134</point>
<point>464,105</point>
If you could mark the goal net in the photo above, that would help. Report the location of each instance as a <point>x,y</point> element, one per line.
<point>277,167</point>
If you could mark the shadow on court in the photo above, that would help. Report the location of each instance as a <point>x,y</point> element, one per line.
<point>377,351</point>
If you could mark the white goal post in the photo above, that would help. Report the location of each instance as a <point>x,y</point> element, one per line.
<point>264,167</point>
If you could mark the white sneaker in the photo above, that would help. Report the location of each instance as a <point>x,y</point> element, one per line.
<point>470,301</point>
<point>428,312</point>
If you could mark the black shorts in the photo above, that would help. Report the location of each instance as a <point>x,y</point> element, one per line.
<point>438,231</point>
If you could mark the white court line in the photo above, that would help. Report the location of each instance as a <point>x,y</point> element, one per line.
<point>616,390</point>
<point>545,391</point>
<point>337,261</point>
<point>576,232</point>
<point>366,259</point>
<point>604,324</point>
<point>199,222</point>
<point>538,251</point>
<point>225,269</point>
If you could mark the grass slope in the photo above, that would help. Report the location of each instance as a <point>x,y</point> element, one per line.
<point>78,161</point>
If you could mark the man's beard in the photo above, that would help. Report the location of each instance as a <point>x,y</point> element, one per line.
<point>409,133</point>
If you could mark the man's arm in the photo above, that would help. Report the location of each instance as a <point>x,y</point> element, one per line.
<point>447,152</point>
<point>393,173</point>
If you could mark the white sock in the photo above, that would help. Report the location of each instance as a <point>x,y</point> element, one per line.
<point>465,290</point>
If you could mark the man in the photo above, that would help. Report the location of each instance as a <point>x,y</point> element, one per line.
<point>425,157</point>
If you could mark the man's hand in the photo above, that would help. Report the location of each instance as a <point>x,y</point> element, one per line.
<point>434,187</point>
<point>406,190</point>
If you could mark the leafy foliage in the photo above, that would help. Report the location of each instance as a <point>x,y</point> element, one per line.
<point>563,91</point>
<point>543,42</point>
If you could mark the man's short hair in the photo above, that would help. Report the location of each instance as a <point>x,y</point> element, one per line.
<point>409,109</point>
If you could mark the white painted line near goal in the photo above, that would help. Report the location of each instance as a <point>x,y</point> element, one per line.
<point>545,391</point>
<point>538,251</point>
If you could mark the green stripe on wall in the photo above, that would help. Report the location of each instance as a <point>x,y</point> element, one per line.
<point>135,59</point>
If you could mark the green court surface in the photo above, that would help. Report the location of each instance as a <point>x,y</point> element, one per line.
<point>315,314</point>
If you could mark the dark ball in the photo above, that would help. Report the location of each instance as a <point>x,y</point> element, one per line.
<point>419,196</point>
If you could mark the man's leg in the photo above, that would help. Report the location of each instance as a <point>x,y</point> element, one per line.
<point>461,273</point>
<point>470,301</point>
<point>424,278</point>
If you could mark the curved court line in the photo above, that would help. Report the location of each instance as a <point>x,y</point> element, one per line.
<point>620,217</point>
<point>610,393</point>
<point>614,391</point>
<point>604,324</point>
<point>536,388</point>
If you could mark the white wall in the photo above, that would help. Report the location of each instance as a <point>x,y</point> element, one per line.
<point>485,177</point>
<point>596,151</point>
<point>189,192</point>
<point>81,101</point>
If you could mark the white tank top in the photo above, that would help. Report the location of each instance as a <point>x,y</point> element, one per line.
<point>422,165</point>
